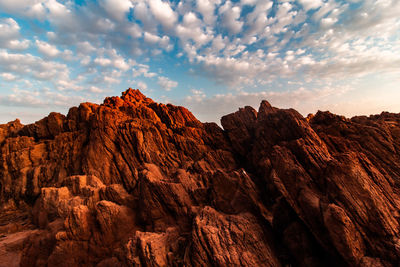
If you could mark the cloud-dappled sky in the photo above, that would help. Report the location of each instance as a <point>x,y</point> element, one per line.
<point>211,56</point>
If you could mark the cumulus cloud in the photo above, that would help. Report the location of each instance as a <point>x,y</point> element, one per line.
<point>117,9</point>
<point>257,19</point>
<point>27,64</point>
<point>207,10</point>
<point>163,12</point>
<point>192,29</point>
<point>18,45</point>
<point>101,61</point>
<point>154,39</point>
<point>42,99</point>
<point>166,83</point>
<point>9,28</point>
<point>142,12</point>
<point>111,59</point>
<point>142,85</point>
<point>310,4</point>
<point>143,70</point>
<point>10,35</point>
<point>61,16</point>
<point>8,77</point>
<point>230,16</point>
<point>228,56</point>
<point>29,8</point>
<point>95,89</point>
<point>47,49</point>
<point>24,99</point>
<point>196,96</point>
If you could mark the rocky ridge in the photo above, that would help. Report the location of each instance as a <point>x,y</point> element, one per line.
<point>132,182</point>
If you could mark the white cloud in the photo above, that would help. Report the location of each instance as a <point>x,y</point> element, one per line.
<point>85,48</point>
<point>163,12</point>
<point>197,96</point>
<point>63,85</point>
<point>95,89</point>
<point>18,45</point>
<point>29,8</point>
<point>22,99</point>
<point>141,86</point>
<point>111,59</point>
<point>85,60</point>
<point>9,28</point>
<point>117,9</point>
<point>36,11</point>
<point>284,18</point>
<point>47,49</point>
<point>10,35</point>
<point>27,64</point>
<point>151,38</point>
<point>310,4</point>
<point>230,17</point>
<point>166,83</point>
<point>133,30</point>
<point>327,22</point>
<point>248,2</point>
<point>121,64</point>
<point>107,77</point>
<point>190,19</point>
<point>257,20</point>
<point>101,61</point>
<point>39,99</point>
<point>61,16</point>
<point>109,80</point>
<point>143,70</point>
<point>143,13</point>
<point>8,76</point>
<point>207,10</point>
<point>325,9</point>
<point>219,43</point>
<point>191,29</point>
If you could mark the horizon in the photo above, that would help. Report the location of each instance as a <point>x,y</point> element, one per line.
<point>210,56</point>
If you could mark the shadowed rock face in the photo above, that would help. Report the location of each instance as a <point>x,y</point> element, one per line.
<point>135,183</point>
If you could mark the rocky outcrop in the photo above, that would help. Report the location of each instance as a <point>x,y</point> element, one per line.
<point>333,175</point>
<point>132,182</point>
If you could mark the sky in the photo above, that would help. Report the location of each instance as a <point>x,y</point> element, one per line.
<point>211,56</point>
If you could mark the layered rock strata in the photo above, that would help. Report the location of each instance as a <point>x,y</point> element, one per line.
<point>132,182</point>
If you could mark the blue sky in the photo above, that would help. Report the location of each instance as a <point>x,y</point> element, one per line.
<point>211,56</point>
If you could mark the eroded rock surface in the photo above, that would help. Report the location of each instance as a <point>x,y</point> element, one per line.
<point>132,182</point>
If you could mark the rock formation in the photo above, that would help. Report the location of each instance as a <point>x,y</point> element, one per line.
<point>132,182</point>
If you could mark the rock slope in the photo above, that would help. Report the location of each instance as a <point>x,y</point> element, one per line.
<point>132,182</point>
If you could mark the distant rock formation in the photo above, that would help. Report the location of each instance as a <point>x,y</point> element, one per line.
<point>132,182</point>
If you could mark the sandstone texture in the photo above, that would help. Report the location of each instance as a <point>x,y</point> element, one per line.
<point>132,182</point>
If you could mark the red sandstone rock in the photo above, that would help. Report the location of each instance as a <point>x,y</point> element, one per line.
<point>135,183</point>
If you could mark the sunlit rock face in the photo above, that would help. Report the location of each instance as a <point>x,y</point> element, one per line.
<point>132,182</point>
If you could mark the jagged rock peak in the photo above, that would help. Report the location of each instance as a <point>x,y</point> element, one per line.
<point>265,107</point>
<point>131,97</point>
<point>326,117</point>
